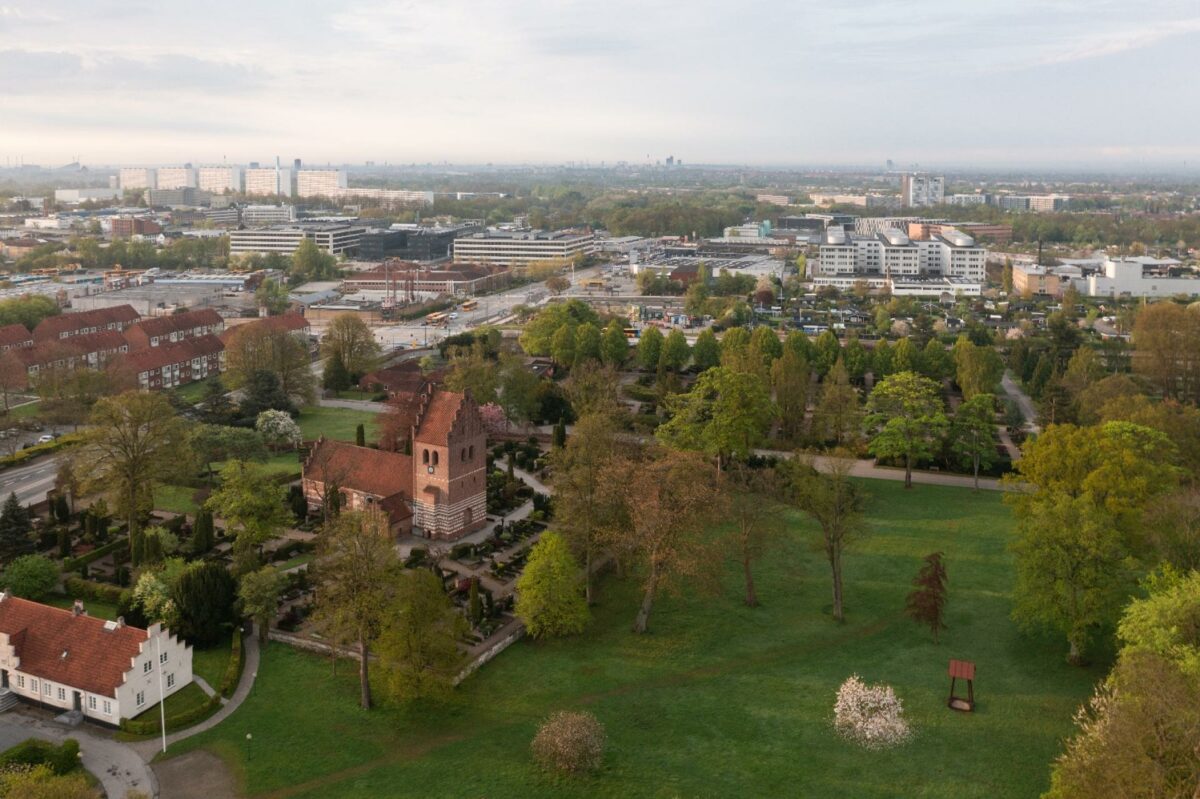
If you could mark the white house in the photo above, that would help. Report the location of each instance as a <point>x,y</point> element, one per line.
<point>68,660</point>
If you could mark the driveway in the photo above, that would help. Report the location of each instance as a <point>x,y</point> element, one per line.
<point>1023,400</point>
<point>117,766</point>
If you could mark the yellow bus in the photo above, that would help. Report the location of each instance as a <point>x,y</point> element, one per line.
<point>594,283</point>
<point>470,305</point>
<point>437,318</point>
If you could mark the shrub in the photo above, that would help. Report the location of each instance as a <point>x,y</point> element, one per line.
<point>61,759</point>
<point>871,716</point>
<point>571,742</point>
<point>73,564</point>
<point>78,588</point>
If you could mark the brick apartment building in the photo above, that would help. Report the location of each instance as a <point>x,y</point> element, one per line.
<point>158,330</point>
<point>65,325</point>
<point>170,365</point>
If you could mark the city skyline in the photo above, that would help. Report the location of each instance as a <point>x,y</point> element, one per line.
<point>935,83</point>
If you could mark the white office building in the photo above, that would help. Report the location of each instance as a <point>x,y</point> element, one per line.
<point>516,248</point>
<point>269,182</point>
<point>918,190</point>
<point>219,179</point>
<point>137,177</point>
<point>76,196</point>
<point>320,182</point>
<point>392,196</point>
<point>1138,277</point>
<point>890,258</point>
<point>259,215</point>
<point>175,177</point>
<point>333,238</point>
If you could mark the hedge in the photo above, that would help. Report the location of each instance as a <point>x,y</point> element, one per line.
<point>73,564</point>
<point>200,712</point>
<point>79,588</point>
<point>33,752</point>
<point>25,455</point>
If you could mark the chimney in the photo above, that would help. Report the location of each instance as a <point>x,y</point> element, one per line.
<point>120,622</point>
<point>3,595</point>
<point>77,608</point>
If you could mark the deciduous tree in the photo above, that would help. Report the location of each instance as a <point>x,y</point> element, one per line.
<point>259,593</point>
<point>837,416</point>
<point>549,599</point>
<point>906,418</point>
<point>707,352</point>
<point>418,641</point>
<point>649,348</point>
<point>756,519</point>
<point>926,603</point>
<point>726,414</point>
<point>973,433</point>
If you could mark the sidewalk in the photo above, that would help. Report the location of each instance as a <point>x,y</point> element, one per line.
<point>868,468</point>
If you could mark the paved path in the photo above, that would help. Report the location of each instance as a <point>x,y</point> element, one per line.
<point>868,468</point>
<point>118,766</point>
<point>1023,400</point>
<point>354,405</point>
<point>250,650</point>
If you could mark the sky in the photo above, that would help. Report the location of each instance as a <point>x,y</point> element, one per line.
<point>950,83</point>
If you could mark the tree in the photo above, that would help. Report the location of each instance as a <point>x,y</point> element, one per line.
<point>828,350</point>
<point>357,569</point>
<point>203,597</point>
<point>278,429</point>
<point>216,406</point>
<point>31,577</point>
<point>472,370</point>
<point>906,418</point>
<point>557,284</point>
<point>667,499</point>
<point>588,343</point>
<point>214,442</point>
<point>309,262</point>
<point>15,526</point>
<point>615,347</point>
<point>836,504</point>
<point>789,380</point>
<point>926,603</point>
<point>13,375</point>
<point>675,352</point>
<point>538,334</point>
<point>973,433</point>
<point>936,363</point>
<point>881,359</point>
<point>906,357</point>
<point>562,346</point>
<point>1163,622</point>
<point>259,593</point>
<point>133,444</point>
<point>252,349</point>
<point>726,414</point>
<point>1166,340</point>
<point>765,345</point>
<point>202,532</point>
<point>335,376</point>
<point>418,643</point>
<point>649,348</point>
<point>756,521</point>
<point>349,340</point>
<point>707,352</point>
<point>252,505</point>
<point>837,415</point>
<point>273,296</point>
<point>549,601</point>
<point>1073,568</point>
<point>856,359</point>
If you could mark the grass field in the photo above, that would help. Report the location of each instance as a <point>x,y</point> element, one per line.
<point>192,392</point>
<point>175,498</point>
<point>719,699</point>
<point>210,664</point>
<point>336,423</point>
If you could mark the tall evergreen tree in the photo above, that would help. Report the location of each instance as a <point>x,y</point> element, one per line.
<point>926,603</point>
<point>15,525</point>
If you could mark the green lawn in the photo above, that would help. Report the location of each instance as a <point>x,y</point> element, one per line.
<point>210,664</point>
<point>192,392</point>
<point>175,498</point>
<point>337,423</point>
<point>719,699</point>
<point>185,699</point>
<point>101,610</point>
<point>25,411</point>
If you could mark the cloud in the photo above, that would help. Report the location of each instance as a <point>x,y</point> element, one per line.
<point>1122,41</point>
<point>58,72</point>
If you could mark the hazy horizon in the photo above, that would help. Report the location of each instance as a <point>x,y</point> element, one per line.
<point>939,84</point>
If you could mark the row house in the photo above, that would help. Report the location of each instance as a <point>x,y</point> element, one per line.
<point>14,337</point>
<point>173,365</point>
<point>66,325</point>
<point>288,322</point>
<point>157,330</point>
<point>69,661</point>
<point>89,350</point>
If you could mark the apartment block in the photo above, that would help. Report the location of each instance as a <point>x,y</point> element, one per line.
<point>219,179</point>
<point>270,182</point>
<point>919,190</point>
<point>175,177</point>
<point>137,177</point>
<point>320,182</point>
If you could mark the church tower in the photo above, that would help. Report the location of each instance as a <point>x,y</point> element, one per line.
<point>449,457</point>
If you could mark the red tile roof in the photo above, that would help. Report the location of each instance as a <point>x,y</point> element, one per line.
<point>154,358</point>
<point>403,378</point>
<point>43,352</point>
<point>175,323</point>
<point>436,419</point>
<point>78,651</point>
<point>371,471</point>
<point>53,327</point>
<point>15,336</point>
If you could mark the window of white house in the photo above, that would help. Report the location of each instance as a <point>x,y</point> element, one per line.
<point>20,680</point>
<point>46,689</point>
<point>147,666</point>
<point>107,708</point>
<point>62,694</point>
<point>141,698</point>
<point>162,657</point>
<point>170,680</point>
<point>91,703</point>
<point>33,685</point>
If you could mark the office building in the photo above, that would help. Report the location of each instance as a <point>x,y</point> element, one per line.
<point>320,182</point>
<point>76,196</point>
<point>269,182</point>
<point>968,199</point>
<point>1139,277</point>
<point>874,225</point>
<point>520,247</point>
<point>401,277</point>
<point>258,215</point>
<point>773,199</point>
<point>174,198</point>
<point>387,196</point>
<point>175,177</point>
<point>845,259</point>
<point>920,190</point>
<point>333,238</point>
<point>137,177</point>
<point>219,179</point>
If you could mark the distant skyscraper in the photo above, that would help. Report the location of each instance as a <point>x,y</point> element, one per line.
<point>918,189</point>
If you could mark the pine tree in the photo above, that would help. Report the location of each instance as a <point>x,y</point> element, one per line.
<point>560,434</point>
<point>926,604</point>
<point>15,525</point>
<point>137,547</point>
<point>360,436</point>
<point>336,377</point>
<point>202,532</point>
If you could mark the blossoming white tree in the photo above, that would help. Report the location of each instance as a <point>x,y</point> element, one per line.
<point>278,428</point>
<point>871,716</point>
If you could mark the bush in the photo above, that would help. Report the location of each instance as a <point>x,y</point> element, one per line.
<point>31,577</point>
<point>73,564</point>
<point>61,759</point>
<point>78,588</point>
<point>572,742</point>
<point>871,716</point>
<point>26,455</point>
<point>234,670</point>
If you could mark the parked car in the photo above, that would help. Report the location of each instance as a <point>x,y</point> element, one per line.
<point>46,439</point>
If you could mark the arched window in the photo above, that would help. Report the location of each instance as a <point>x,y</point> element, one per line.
<point>425,456</point>
<point>471,452</point>
<point>435,457</point>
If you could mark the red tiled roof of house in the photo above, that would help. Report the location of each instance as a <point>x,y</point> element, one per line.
<point>164,355</point>
<point>371,471</point>
<point>437,418</point>
<point>56,645</point>
<point>14,336</point>
<point>288,322</point>
<point>166,325</point>
<point>73,346</point>
<point>54,326</point>
<point>403,378</point>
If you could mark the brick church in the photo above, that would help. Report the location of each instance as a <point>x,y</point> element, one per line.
<point>439,491</point>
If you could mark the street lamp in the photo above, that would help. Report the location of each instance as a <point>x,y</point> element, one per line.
<point>248,737</point>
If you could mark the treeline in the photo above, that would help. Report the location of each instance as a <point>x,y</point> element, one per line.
<point>179,255</point>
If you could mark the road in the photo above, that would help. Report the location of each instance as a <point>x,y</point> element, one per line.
<point>1023,400</point>
<point>30,483</point>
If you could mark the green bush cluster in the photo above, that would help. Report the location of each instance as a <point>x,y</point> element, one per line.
<point>61,759</point>
<point>73,564</point>
<point>234,670</point>
<point>79,588</point>
<point>25,455</point>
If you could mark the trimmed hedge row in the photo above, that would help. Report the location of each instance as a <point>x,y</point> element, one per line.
<point>80,588</point>
<point>34,752</point>
<point>73,564</point>
<point>25,455</point>
<point>200,712</point>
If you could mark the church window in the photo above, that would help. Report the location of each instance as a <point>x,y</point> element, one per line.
<point>425,456</point>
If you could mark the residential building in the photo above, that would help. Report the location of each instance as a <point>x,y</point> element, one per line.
<point>269,181</point>
<point>773,199</point>
<point>156,331</point>
<point>439,491</point>
<point>405,379</point>
<point>920,190</point>
<point>288,322</point>
<point>1038,203</point>
<point>84,351</point>
<point>185,196</point>
<point>15,337</point>
<point>175,177</point>
<point>1051,281</point>
<point>968,199</point>
<point>844,258</point>
<point>258,215</point>
<point>76,196</point>
<point>67,660</point>
<point>320,182</point>
<point>388,196</point>
<point>172,365</point>
<point>65,325</point>
<point>137,177</point>
<point>331,237</point>
<point>219,179</point>
<point>518,248</point>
